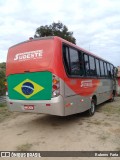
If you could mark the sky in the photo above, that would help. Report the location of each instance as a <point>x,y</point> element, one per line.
<point>95,23</point>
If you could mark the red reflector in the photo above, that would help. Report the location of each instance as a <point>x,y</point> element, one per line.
<point>81,100</point>
<point>68,105</point>
<point>29,107</point>
<point>48,104</point>
<point>54,87</point>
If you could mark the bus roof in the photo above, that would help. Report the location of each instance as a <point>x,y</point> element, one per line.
<point>79,48</point>
<point>64,41</point>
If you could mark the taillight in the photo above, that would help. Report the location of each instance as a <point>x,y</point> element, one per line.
<point>6,88</point>
<point>55,86</point>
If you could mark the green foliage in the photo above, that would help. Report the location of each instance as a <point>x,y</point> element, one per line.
<point>55,29</point>
<point>3,65</point>
<point>2,78</point>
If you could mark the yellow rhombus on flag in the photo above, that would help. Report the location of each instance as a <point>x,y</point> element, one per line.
<point>37,88</point>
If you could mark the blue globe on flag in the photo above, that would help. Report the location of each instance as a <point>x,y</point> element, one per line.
<point>27,88</point>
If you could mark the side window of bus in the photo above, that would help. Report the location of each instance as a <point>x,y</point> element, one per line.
<point>86,63</point>
<point>97,67</point>
<point>92,66</point>
<point>66,59</point>
<point>81,63</point>
<point>109,70</point>
<point>102,69</point>
<point>105,66</point>
<point>112,70</point>
<point>74,62</point>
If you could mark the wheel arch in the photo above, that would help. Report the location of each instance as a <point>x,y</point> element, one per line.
<point>94,97</point>
<point>114,92</point>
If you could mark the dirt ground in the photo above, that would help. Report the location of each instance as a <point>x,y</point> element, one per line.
<point>39,132</point>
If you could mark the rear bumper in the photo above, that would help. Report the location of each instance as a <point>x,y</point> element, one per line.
<point>56,106</point>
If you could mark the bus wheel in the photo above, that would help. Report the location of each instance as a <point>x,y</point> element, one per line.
<point>91,111</point>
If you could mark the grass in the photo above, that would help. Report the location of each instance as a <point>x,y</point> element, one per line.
<point>117,141</point>
<point>107,124</point>
<point>2,105</point>
<point>4,112</point>
<point>118,149</point>
<point>104,137</point>
<point>24,147</point>
<point>96,122</point>
<point>110,109</point>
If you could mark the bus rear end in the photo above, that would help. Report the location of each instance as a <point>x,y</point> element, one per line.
<point>32,83</point>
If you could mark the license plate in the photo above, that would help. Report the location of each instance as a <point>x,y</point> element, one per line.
<point>28,107</point>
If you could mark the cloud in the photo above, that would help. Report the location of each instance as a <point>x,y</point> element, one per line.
<point>95,24</point>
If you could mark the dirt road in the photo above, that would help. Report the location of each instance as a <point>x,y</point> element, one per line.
<point>35,132</point>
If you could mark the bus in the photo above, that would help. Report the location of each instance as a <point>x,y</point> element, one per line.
<point>118,81</point>
<point>53,76</point>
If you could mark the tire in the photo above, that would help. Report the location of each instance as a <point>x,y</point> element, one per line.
<point>91,111</point>
<point>112,98</point>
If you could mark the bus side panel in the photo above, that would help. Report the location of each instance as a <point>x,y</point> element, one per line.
<point>104,90</point>
<point>74,103</point>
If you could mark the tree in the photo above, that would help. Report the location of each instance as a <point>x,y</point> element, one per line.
<point>2,78</point>
<point>3,65</point>
<point>55,29</point>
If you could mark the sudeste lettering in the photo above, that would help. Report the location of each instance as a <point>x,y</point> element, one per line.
<point>29,55</point>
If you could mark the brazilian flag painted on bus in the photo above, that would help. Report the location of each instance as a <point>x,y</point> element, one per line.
<point>30,86</point>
